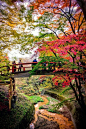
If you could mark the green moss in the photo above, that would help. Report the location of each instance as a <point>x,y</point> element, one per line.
<point>48,100</point>
<point>51,99</point>
<point>34,98</point>
<point>53,110</point>
<point>41,107</point>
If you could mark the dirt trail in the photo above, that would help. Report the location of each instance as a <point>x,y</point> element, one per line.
<point>38,105</point>
<point>63,122</point>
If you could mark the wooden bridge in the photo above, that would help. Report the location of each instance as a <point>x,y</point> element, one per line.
<point>15,71</point>
<point>15,68</point>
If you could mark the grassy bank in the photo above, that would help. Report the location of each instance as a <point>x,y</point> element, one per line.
<point>34,99</point>
<point>50,105</point>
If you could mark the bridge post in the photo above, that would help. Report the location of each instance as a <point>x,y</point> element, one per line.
<point>23,68</point>
<point>13,80</point>
<point>10,93</point>
<point>13,69</point>
<point>14,92</point>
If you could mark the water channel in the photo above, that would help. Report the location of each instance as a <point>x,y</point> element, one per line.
<point>62,121</point>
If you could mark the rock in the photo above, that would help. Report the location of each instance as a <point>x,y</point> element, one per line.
<point>43,123</point>
<point>65,112</point>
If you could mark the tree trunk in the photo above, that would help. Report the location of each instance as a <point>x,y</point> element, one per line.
<point>82,4</point>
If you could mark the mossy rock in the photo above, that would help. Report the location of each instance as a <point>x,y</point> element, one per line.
<point>19,117</point>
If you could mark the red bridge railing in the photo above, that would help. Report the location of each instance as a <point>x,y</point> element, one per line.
<point>26,67</point>
<point>12,69</point>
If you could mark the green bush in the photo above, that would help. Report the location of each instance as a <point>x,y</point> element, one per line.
<point>41,107</point>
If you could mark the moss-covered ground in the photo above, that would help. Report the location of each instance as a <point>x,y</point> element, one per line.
<point>18,117</point>
<point>21,115</point>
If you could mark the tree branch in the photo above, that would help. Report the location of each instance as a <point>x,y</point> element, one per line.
<point>51,30</point>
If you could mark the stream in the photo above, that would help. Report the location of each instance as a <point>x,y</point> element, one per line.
<point>48,120</point>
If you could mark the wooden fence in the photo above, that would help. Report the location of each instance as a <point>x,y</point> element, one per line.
<point>11,89</point>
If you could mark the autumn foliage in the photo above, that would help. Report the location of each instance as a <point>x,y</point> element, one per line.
<point>73,49</point>
<point>66,12</point>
